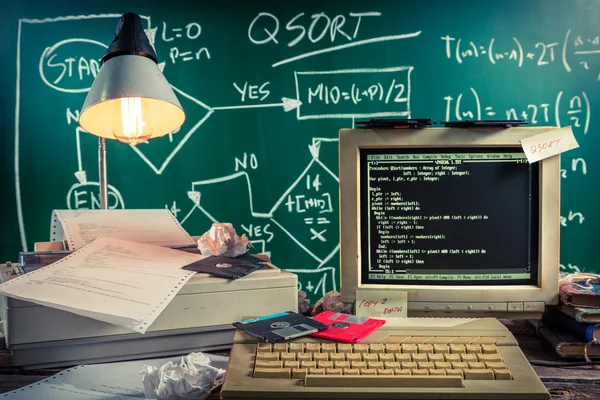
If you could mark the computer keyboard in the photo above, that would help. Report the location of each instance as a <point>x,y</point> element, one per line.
<point>421,358</point>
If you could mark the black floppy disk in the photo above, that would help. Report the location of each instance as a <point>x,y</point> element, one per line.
<point>227,267</point>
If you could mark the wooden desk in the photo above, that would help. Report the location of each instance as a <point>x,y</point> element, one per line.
<point>562,383</point>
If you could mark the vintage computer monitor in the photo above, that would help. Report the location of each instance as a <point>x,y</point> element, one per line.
<point>455,217</point>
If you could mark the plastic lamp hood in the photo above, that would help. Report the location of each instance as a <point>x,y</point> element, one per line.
<point>130,76</point>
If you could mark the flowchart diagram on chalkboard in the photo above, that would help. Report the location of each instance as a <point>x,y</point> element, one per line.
<point>260,150</point>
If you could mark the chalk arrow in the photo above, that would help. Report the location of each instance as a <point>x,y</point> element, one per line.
<point>290,104</point>
<point>81,176</point>
<point>287,104</point>
<point>194,196</point>
<point>314,149</point>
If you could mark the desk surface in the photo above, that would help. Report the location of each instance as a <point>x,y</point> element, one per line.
<point>562,383</point>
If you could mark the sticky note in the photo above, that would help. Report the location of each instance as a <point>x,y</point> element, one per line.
<point>549,144</point>
<point>380,303</point>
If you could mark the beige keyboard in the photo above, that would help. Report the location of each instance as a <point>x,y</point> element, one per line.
<point>299,360</point>
<point>407,358</point>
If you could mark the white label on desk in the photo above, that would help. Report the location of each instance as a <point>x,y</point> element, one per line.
<point>549,144</point>
<point>380,303</point>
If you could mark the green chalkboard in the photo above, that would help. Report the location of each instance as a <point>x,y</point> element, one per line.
<point>266,86</point>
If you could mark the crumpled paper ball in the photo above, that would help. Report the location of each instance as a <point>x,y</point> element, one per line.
<point>221,239</point>
<point>193,378</point>
<point>331,302</point>
<point>303,303</point>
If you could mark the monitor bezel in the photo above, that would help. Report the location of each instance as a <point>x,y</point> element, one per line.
<point>350,143</point>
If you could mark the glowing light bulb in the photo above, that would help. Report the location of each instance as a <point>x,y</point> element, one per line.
<point>132,120</point>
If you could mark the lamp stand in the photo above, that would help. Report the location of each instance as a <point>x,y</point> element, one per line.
<point>102,173</point>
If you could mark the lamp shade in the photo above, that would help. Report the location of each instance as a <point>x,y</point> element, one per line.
<point>130,98</point>
<point>126,77</point>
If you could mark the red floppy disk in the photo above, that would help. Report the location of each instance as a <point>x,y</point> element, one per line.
<point>346,327</point>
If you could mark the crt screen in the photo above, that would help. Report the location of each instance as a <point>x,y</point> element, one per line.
<point>448,216</point>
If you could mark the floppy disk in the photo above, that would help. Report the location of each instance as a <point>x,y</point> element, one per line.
<point>346,327</point>
<point>279,327</point>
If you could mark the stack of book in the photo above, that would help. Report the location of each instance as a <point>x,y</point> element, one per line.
<point>575,322</point>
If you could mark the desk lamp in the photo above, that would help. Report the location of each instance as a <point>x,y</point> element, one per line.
<point>130,99</point>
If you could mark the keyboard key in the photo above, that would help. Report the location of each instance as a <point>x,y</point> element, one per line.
<point>296,348</point>
<point>419,357</point>
<point>308,364</point>
<point>384,372</point>
<point>264,348</point>
<point>267,356</point>
<point>272,373</point>
<point>375,364</point>
<point>316,371</point>
<point>386,357</point>
<point>489,349</point>
<point>473,349</point>
<point>321,356</point>
<point>402,371</point>
<point>365,371</point>
<point>419,372</point>
<point>476,365</point>
<point>457,349</point>
<point>489,357</point>
<point>425,348</point>
<point>269,364</point>
<point>341,364</point>
<point>384,381</point>
<point>376,348</point>
<point>361,348</point>
<point>437,371</point>
<point>468,357</point>
<point>391,365</point>
<point>333,371</point>
<point>337,357</point>
<point>409,348</point>
<point>291,364</point>
<point>304,357</point>
<point>400,357</point>
<point>425,365</point>
<point>479,374</point>
<point>358,364</point>
<point>392,348</point>
<point>494,365</point>
<point>452,357</point>
<point>459,365</point>
<point>350,371</point>
<point>344,347</point>
<point>354,357</point>
<point>312,348</point>
<point>288,356</point>
<point>441,348</point>
<point>299,373</point>
<point>454,372</point>
<point>370,357</point>
<point>435,357</point>
<point>408,365</point>
<point>502,374</point>
<point>324,364</point>
<point>442,365</point>
<point>280,347</point>
<point>328,348</point>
